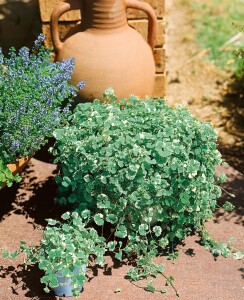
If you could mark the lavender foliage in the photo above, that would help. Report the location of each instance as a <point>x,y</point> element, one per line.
<point>35,99</point>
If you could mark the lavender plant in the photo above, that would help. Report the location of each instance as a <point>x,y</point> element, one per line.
<point>35,99</point>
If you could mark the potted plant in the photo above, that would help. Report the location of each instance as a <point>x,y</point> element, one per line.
<point>35,98</point>
<point>145,168</point>
<point>63,253</point>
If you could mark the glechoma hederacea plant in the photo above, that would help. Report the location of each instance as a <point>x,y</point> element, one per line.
<point>147,169</point>
<point>35,98</point>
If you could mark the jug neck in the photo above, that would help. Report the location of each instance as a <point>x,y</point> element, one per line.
<point>103,14</point>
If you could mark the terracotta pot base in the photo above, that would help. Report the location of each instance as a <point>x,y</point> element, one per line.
<point>17,166</point>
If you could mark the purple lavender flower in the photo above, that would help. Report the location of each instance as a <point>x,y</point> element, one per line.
<point>15,145</point>
<point>66,110</point>
<point>24,53</point>
<point>81,84</point>
<point>38,43</point>
<point>1,57</point>
<point>33,91</point>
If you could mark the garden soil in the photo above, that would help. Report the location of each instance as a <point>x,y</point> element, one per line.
<point>211,96</point>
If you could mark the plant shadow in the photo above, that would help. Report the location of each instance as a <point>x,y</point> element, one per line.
<point>43,153</point>
<point>233,186</point>
<point>40,206</point>
<point>233,102</point>
<point>33,198</point>
<point>27,280</point>
<point>20,23</point>
<point>111,263</point>
<point>242,272</point>
<point>7,197</point>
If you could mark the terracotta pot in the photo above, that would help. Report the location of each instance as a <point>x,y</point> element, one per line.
<point>17,166</point>
<point>107,51</point>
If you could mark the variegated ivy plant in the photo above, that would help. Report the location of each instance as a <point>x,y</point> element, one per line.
<point>147,169</point>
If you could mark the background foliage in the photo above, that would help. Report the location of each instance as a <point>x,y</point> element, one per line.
<point>218,24</point>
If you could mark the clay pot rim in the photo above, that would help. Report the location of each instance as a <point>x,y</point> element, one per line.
<point>17,166</point>
<point>19,163</point>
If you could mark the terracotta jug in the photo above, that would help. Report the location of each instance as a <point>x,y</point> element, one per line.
<point>107,51</point>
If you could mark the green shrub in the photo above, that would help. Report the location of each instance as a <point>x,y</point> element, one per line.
<point>145,169</point>
<point>139,165</point>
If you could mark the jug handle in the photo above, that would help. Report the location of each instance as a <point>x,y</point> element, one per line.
<point>152,19</point>
<point>58,11</point>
